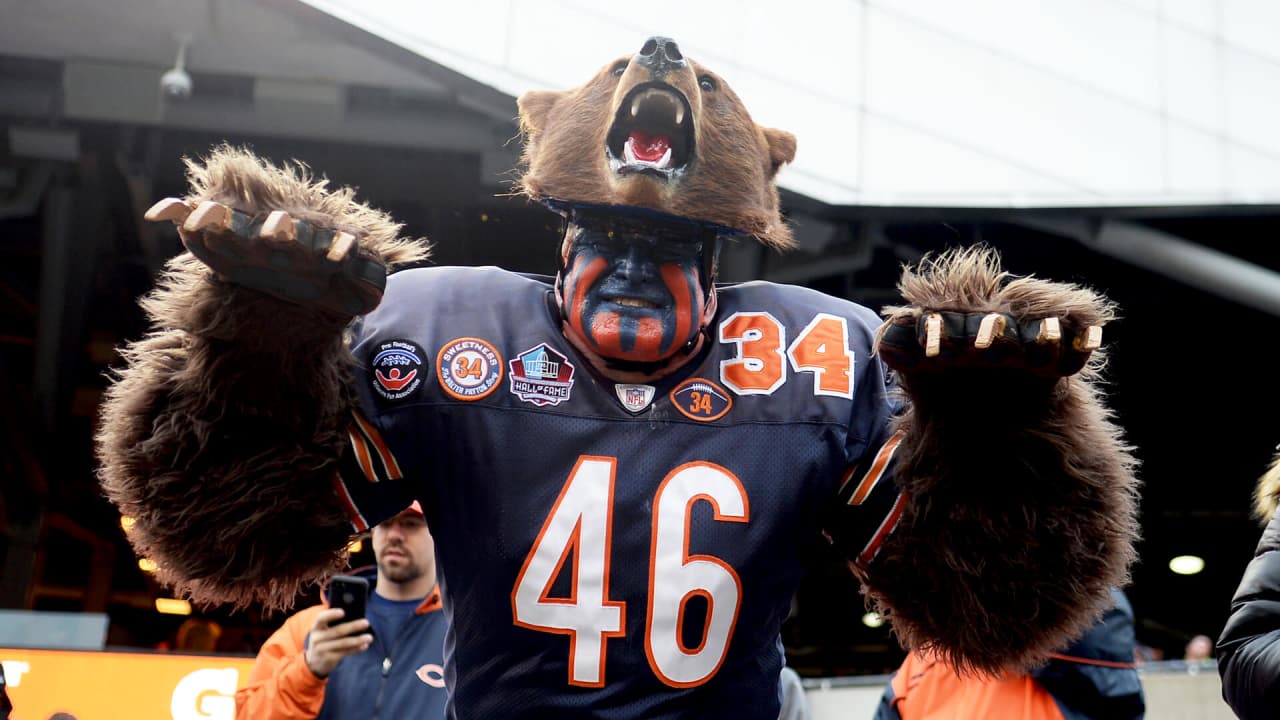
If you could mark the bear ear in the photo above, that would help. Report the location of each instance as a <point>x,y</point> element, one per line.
<point>535,106</point>
<point>782,148</point>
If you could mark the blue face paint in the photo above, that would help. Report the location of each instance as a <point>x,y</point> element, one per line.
<point>631,295</point>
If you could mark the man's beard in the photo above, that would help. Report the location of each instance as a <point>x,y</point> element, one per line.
<point>407,571</point>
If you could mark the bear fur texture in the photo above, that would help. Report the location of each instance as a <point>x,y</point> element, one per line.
<point>225,424</point>
<point>724,163</point>
<point>1021,495</point>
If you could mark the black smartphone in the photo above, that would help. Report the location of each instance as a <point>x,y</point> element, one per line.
<point>350,593</point>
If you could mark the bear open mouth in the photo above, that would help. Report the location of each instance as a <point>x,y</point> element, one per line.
<point>652,132</point>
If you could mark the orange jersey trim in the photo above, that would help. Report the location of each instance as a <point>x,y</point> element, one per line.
<point>371,434</point>
<point>889,524</point>
<point>1091,661</point>
<point>878,466</point>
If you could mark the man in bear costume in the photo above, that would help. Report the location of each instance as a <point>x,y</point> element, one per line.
<point>623,465</point>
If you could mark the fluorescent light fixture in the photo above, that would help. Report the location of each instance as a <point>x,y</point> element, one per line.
<point>1187,564</point>
<point>173,606</point>
<point>872,620</point>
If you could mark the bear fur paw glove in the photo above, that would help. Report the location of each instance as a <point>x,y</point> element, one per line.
<point>1021,497</point>
<point>242,384</point>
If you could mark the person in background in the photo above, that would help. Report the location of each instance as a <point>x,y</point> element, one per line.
<point>795,704</point>
<point>1249,647</point>
<point>199,635</point>
<point>1095,677</point>
<point>6,707</point>
<point>389,665</point>
<point>1199,649</point>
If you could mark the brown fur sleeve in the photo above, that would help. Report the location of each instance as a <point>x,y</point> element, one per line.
<point>1021,493</point>
<point>221,433</point>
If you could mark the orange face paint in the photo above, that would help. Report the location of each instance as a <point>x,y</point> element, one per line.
<point>636,299</point>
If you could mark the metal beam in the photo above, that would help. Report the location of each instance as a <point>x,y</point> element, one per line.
<point>73,223</point>
<point>1200,267</point>
<point>130,94</point>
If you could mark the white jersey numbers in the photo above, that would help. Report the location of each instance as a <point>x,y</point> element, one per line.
<point>760,367</point>
<point>675,576</point>
<point>580,521</point>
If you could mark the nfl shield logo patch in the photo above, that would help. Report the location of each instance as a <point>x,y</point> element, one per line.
<point>634,397</point>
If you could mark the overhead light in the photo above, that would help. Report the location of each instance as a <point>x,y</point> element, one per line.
<point>147,565</point>
<point>872,620</point>
<point>1187,564</point>
<point>173,606</point>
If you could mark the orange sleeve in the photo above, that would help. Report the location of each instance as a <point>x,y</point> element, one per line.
<point>281,686</point>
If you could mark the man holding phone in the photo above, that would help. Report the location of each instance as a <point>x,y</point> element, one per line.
<point>365,652</point>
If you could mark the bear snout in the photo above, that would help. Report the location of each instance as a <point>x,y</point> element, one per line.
<point>660,55</point>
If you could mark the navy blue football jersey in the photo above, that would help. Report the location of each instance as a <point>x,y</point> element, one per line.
<point>618,550</point>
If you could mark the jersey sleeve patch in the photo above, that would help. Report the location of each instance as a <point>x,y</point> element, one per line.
<point>397,369</point>
<point>469,368</point>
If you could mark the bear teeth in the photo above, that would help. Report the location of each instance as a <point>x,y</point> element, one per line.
<point>658,96</point>
<point>629,154</point>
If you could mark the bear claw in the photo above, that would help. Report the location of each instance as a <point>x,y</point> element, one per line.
<point>278,228</point>
<point>1089,340</point>
<point>1050,331</point>
<point>933,335</point>
<point>174,209</point>
<point>993,324</point>
<point>208,216</point>
<point>289,258</point>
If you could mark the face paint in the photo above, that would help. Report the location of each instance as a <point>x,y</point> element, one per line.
<point>631,295</point>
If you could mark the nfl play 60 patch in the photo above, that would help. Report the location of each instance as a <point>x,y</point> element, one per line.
<point>469,368</point>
